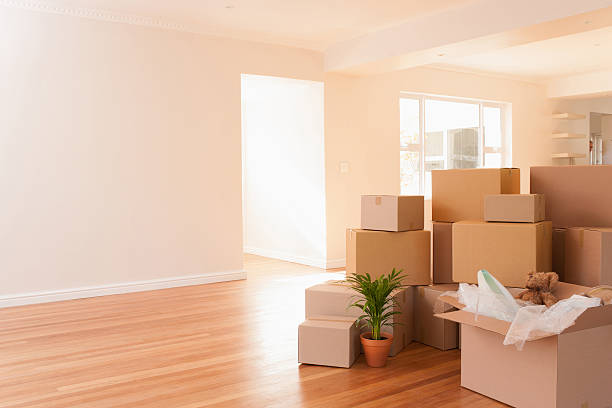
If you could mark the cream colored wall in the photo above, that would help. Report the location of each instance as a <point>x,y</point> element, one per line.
<point>582,106</point>
<point>120,155</point>
<point>362,127</point>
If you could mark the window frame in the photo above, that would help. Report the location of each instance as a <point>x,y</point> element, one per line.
<point>483,150</point>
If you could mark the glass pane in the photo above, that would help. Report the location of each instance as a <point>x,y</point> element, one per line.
<point>443,115</point>
<point>451,137</point>
<point>409,173</point>
<point>409,121</point>
<point>493,160</point>
<point>492,126</point>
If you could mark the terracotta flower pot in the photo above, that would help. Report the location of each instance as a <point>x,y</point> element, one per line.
<point>376,351</point>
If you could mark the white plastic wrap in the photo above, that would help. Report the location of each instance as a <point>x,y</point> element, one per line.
<point>529,321</point>
<point>489,298</point>
<point>555,319</point>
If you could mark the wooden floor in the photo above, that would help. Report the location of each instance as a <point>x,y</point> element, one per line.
<point>229,344</point>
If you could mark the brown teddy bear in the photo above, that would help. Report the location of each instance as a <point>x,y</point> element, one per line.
<point>539,288</point>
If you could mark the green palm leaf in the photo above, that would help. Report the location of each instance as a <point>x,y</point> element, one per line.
<point>374,299</point>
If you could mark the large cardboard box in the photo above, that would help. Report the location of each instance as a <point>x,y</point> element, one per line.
<point>328,340</point>
<point>458,194</point>
<point>428,329</point>
<point>514,208</point>
<point>568,370</point>
<point>442,252</point>
<point>588,256</point>
<point>509,251</point>
<point>576,196</point>
<point>392,213</point>
<point>378,252</point>
<point>334,297</point>
<point>558,252</point>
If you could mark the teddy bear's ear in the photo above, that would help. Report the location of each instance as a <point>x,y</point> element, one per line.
<point>553,278</point>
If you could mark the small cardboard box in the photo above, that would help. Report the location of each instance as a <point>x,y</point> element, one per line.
<point>458,194</point>
<point>509,251</point>
<point>568,370</point>
<point>588,256</point>
<point>378,252</point>
<point>428,329</point>
<point>334,297</point>
<point>576,196</point>
<point>442,252</point>
<point>392,213</point>
<point>328,340</point>
<point>514,208</point>
<point>330,298</point>
<point>558,252</point>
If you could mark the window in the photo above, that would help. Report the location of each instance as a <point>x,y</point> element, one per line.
<point>449,133</point>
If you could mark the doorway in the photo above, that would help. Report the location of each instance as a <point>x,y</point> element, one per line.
<point>283,169</point>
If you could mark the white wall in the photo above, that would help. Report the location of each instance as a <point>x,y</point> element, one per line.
<point>284,169</point>
<point>120,154</point>
<point>362,128</point>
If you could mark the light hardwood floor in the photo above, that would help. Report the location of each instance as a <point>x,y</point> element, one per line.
<point>229,344</point>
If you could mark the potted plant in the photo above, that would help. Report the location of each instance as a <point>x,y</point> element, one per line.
<point>377,304</point>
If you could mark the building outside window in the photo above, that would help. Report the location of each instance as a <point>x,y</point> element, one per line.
<point>450,133</point>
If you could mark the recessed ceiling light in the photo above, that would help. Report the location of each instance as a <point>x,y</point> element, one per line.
<point>229,6</point>
<point>587,21</point>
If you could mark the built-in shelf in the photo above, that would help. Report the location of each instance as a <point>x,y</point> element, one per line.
<point>568,156</point>
<point>568,115</point>
<point>568,136</point>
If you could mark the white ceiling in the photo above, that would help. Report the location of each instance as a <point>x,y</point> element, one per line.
<point>541,60</point>
<point>311,24</point>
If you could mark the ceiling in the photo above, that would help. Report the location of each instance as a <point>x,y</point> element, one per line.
<point>541,60</point>
<point>311,24</point>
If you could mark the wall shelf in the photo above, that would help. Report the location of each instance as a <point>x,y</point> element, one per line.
<point>566,136</point>
<point>568,156</point>
<point>568,115</point>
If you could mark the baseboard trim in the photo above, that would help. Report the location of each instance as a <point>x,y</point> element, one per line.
<point>127,287</point>
<point>283,256</point>
<point>335,263</point>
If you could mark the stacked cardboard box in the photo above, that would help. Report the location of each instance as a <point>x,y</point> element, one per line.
<point>392,236</point>
<point>458,195</point>
<point>512,239</point>
<point>579,203</point>
<point>328,313</point>
<point>511,242</point>
<point>493,227</point>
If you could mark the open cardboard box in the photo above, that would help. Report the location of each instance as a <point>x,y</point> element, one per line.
<point>571,369</point>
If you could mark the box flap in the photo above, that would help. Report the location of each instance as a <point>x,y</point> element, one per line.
<point>592,317</point>
<point>483,322</point>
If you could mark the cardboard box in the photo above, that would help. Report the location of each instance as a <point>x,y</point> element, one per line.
<point>442,252</point>
<point>328,340</point>
<point>558,252</point>
<point>568,370</point>
<point>588,256</point>
<point>334,297</point>
<point>378,252</point>
<point>458,194</point>
<point>576,196</point>
<point>392,213</point>
<point>509,251</point>
<point>514,208</point>
<point>428,329</point>
<point>330,298</point>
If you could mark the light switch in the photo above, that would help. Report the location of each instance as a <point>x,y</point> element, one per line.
<point>344,167</point>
